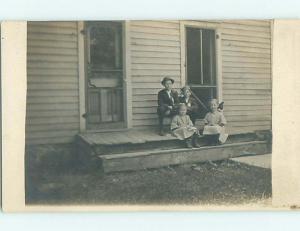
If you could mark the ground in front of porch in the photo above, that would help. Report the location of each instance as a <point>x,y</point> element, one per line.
<point>220,182</point>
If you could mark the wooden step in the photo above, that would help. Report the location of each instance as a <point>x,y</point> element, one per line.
<point>136,141</point>
<point>125,144</point>
<point>159,158</point>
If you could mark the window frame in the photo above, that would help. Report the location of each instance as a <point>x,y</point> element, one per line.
<point>202,25</point>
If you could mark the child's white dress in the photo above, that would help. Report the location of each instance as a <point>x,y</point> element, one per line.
<point>182,127</point>
<point>213,120</point>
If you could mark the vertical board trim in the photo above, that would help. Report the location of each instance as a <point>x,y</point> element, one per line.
<point>127,77</point>
<point>81,75</point>
<point>219,65</point>
<point>271,57</point>
<point>182,53</point>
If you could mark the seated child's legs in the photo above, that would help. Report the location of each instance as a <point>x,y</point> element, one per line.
<point>192,141</point>
<point>161,112</point>
<point>189,142</point>
<point>193,116</point>
<point>164,112</point>
<point>212,139</point>
<point>195,140</point>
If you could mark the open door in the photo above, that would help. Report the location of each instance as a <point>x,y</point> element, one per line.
<point>104,75</point>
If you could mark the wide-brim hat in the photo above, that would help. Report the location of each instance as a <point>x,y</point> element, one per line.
<point>165,79</point>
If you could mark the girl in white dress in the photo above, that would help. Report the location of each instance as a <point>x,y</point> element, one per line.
<point>183,128</point>
<point>215,124</point>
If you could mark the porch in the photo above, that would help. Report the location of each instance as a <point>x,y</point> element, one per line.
<point>145,149</point>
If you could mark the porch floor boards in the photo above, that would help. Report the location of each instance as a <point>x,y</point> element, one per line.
<point>124,137</point>
<point>142,149</point>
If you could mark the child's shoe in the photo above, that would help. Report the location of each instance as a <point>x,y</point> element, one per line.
<point>195,142</point>
<point>161,132</point>
<point>188,142</point>
<point>196,145</point>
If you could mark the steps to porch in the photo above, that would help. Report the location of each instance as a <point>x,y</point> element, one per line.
<point>137,150</point>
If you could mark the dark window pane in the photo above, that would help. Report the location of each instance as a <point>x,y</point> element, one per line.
<point>209,57</point>
<point>201,56</point>
<point>193,47</point>
<point>105,46</point>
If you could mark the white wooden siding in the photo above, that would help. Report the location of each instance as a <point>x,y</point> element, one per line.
<point>247,85</point>
<point>52,95</point>
<point>53,98</point>
<point>246,70</point>
<point>155,53</point>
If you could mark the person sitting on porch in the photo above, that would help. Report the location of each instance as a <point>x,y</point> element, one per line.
<point>183,128</point>
<point>191,103</point>
<point>167,102</point>
<point>215,122</point>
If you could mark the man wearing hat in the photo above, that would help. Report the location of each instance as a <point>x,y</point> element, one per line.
<point>167,102</point>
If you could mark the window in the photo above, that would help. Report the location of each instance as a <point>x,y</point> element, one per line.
<point>105,48</point>
<point>201,62</point>
<point>105,40</point>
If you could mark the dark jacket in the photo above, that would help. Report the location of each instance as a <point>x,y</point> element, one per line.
<point>164,99</point>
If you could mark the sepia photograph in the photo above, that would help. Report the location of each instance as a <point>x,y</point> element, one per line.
<point>149,112</point>
<point>153,115</point>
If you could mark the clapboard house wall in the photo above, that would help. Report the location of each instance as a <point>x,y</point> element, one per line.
<point>246,75</point>
<point>52,114</point>
<point>246,70</point>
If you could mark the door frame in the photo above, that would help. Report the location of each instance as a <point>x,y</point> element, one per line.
<point>127,91</point>
<point>204,25</point>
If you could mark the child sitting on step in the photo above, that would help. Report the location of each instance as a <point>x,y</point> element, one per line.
<point>214,128</point>
<point>191,103</point>
<point>183,128</point>
<point>167,102</point>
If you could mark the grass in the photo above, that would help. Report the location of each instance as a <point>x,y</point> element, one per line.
<point>65,182</point>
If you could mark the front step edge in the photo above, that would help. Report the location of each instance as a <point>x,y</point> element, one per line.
<point>161,158</point>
